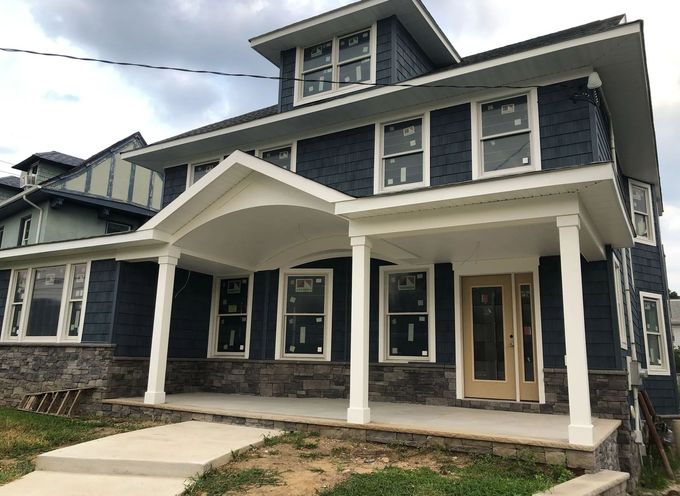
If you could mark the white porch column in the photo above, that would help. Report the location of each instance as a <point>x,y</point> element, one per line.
<point>358,411</point>
<point>580,421</point>
<point>155,391</point>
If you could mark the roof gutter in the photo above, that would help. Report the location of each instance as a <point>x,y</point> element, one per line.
<point>40,210</point>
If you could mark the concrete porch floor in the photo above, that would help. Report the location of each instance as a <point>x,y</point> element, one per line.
<point>531,429</point>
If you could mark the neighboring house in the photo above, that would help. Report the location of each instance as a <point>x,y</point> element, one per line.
<point>675,321</point>
<point>9,186</point>
<point>40,167</point>
<point>102,195</point>
<point>485,235</point>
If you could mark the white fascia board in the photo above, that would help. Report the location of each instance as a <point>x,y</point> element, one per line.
<point>474,191</point>
<point>240,165</point>
<point>96,244</point>
<point>436,78</point>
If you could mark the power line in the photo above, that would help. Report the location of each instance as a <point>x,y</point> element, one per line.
<point>253,76</point>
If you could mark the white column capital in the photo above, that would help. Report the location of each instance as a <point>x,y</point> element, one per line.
<point>360,241</point>
<point>167,260</point>
<point>569,221</point>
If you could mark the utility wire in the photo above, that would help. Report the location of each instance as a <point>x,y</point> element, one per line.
<point>253,76</point>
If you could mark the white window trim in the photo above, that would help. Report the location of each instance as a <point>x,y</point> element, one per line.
<point>191,166</point>
<point>298,99</point>
<point>214,328</point>
<point>293,153</point>
<point>620,312</point>
<point>384,355</point>
<point>653,369</point>
<point>280,353</point>
<point>62,326</point>
<point>25,226</point>
<point>651,240</point>
<point>534,134</point>
<point>378,169</point>
<point>108,222</point>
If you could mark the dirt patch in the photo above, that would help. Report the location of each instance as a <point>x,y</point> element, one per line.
<point>323,463</point>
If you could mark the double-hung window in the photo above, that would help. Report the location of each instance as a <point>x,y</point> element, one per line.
<point>403,154</point>
<point>232,326</point>
<point>642,212</point>
<point>281,156</point>
<point>654,329</point>
<point>505,130</point>
<point>336,65</point>
<point>200,170</point>
<point>24,230</point>
<point>407,312</point>
<point>305,314</point>
<point>47,303</point>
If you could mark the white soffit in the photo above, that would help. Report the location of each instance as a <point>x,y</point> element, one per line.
<point>353,17</point>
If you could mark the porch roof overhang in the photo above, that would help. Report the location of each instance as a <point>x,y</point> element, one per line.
<point>507,217</point>
<point>617,54</point>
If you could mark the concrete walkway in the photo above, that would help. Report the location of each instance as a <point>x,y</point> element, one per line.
<point>154,461</point>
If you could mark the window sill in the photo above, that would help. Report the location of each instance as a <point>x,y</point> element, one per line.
<point>327,95</point>
<point>659,372</point>
<point>303,358</point>
<point>407,360</point>
<point>507,172</point>
<point>644,241</point>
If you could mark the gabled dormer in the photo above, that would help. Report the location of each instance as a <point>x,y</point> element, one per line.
<point>348,49</point>
<point>43,166</point>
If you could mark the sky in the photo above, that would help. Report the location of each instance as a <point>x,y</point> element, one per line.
<point>79,108</point>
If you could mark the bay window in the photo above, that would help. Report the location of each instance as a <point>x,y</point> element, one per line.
<point>304,329</point>
<point>407,314</point>
<point>47,303</point>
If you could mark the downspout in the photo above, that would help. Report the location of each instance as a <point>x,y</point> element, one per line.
<point>40,210</point>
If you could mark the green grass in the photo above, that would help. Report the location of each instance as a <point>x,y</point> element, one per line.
<point>299,440</point>
<point>217,482</point>
<point>24,435</point>
<point>486,476</point>
<point>653,475</point>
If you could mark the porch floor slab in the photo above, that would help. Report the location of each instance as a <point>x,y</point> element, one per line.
<point>531,429</point>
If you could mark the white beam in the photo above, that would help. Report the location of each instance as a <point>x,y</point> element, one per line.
<point>580,421</point>
<point>358,411</point>
<point>155,391</point>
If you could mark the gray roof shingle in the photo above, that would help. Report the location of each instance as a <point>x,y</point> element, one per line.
<point>53,156</point>
<point>10,181</point>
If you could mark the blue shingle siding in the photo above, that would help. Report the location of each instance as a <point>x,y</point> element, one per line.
<point>263,315</point>
<point>450,145</point>
<point>343,160</point>
<point>175,183</point>
<point>101,302</point>
<point>443,302</point>
<point>565,126</point>
<point>287,83</point>
<point>410,61</point>
<point>190,321</point>
<point>384,51</point>
<point>136,300</point>
<point>600,343</point>
<point>4,290</point>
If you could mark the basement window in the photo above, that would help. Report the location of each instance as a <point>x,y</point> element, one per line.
<point>304,329</point>
<point>654,328</point>
<point>407,314</point>
<point>47,303</point>
<point>336,65</point>
<point>231,329</point>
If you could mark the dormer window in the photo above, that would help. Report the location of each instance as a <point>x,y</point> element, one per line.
<point>335,66</point>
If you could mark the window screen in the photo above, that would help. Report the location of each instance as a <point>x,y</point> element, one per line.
<point>640,201</point>
<point>407,314</point>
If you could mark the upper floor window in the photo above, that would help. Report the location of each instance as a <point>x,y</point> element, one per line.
<point>335,65</point>
<point>47,303</point>
<point>24,231</point>
<point>281,156</point>
<point>197,171</point>
<point>654,329</point>
<point>506,140</point>
<point>642,212</point>
<point>403,154</point>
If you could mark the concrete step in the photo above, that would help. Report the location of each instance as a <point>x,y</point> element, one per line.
<point>176,450</point>
<point>42,483</point>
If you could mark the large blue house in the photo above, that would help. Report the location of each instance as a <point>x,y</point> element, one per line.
<point>404,225</point>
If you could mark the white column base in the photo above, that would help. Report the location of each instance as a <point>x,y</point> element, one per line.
<point>358,415</point>
<point>582,434</point>
<point>154,397</point>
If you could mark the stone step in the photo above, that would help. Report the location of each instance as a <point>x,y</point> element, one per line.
<point>43,483</point>
<point>607,482</point>
<point>175,450</point>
